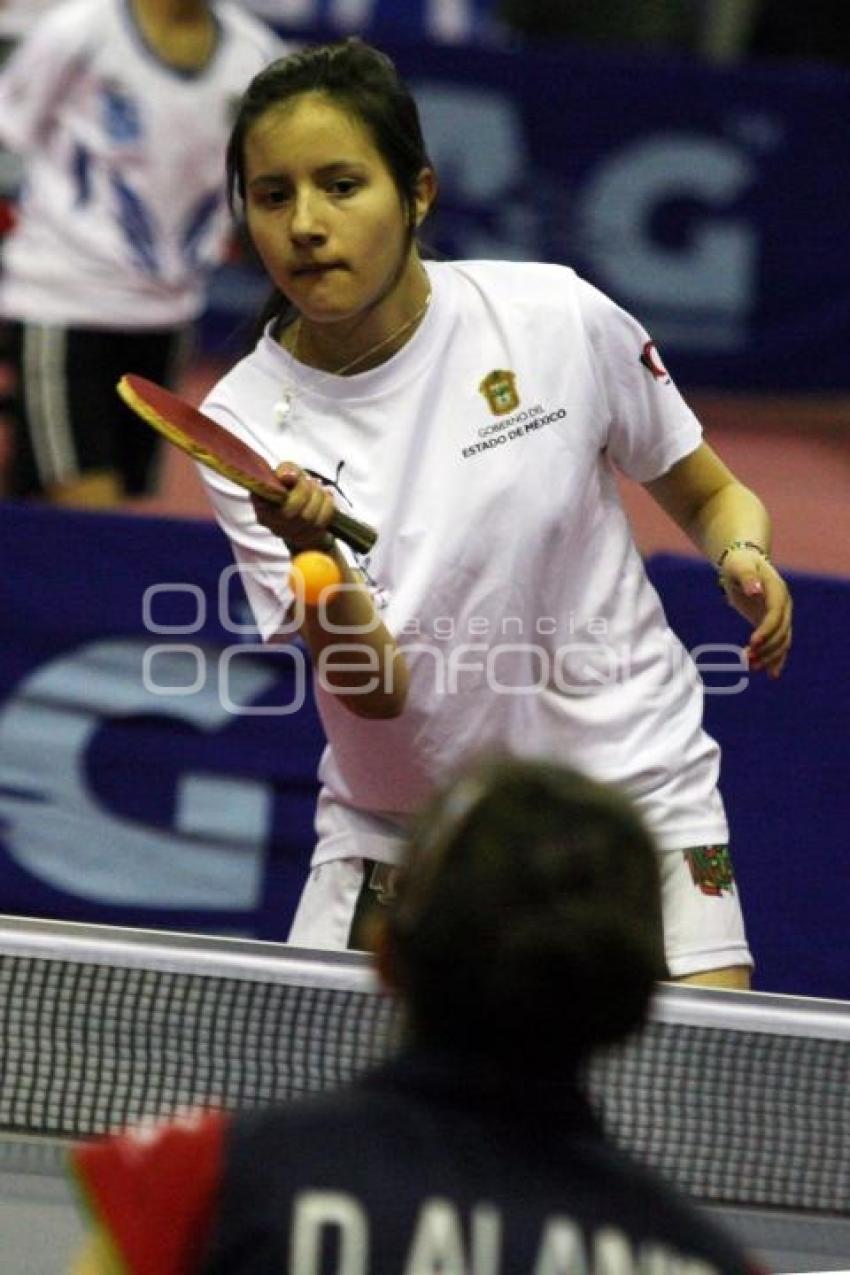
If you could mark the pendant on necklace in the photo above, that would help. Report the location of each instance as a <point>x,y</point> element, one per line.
<point>283,407</point>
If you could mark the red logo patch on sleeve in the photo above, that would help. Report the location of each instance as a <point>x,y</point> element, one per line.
<point>651,360</point>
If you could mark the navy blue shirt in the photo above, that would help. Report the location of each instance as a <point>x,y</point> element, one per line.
<point>434,1165</point>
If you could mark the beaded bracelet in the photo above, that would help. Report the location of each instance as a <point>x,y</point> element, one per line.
<point>741,544</point>
<point>737,544</point>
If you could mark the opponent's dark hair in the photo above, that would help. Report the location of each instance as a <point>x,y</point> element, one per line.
<point>362,80</point>
<point>527,923</point>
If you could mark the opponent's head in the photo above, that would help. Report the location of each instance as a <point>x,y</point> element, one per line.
<point>527,921</point>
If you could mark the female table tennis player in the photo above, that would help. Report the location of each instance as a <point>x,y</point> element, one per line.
<point>524,937</point>
<point>474,412</point>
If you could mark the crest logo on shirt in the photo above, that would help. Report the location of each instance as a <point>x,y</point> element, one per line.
<point>711,869</point>
<point>499,389</point>
<point>651,360</point>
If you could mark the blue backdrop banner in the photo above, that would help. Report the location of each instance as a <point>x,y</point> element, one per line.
<point>157,767</point>
<point>704,200</point>
<point>441,21</point>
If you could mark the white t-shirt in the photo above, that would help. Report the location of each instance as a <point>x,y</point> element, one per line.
<point>483,452</point>
<point>123,211</point>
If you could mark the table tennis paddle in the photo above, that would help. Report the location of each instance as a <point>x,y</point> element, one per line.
<point>212,445</point>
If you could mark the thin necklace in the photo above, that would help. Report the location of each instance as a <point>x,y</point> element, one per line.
<point>286,403</point>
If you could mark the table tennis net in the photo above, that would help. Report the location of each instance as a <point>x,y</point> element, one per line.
<point>740,1098</point>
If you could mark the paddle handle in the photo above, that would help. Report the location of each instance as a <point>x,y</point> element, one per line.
<point>358,535</point>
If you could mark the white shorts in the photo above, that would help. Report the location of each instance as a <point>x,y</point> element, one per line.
<point>703,923</point>
<point>701,911</point>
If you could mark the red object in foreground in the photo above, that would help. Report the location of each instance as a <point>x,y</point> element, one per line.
<point>153,1189</point>
<point>7,216</point>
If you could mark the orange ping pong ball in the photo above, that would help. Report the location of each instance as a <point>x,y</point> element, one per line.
<point>312,573</point>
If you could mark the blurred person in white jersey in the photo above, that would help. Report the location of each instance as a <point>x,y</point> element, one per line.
<point>17,16</point>
<point>119,110</point>
<point>525,936</point>
<point>474,412</point>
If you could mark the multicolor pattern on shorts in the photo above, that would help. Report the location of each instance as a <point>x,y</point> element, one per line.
<point>711,869</point>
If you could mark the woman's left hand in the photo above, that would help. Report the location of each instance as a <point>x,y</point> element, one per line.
<point>757,591</point>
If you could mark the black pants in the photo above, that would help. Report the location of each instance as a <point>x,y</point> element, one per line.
<point>67,418</point>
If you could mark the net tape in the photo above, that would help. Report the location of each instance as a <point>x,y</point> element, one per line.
<point>744,1108</point>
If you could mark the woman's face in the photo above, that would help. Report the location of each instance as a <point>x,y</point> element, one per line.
<point>323,210</point>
